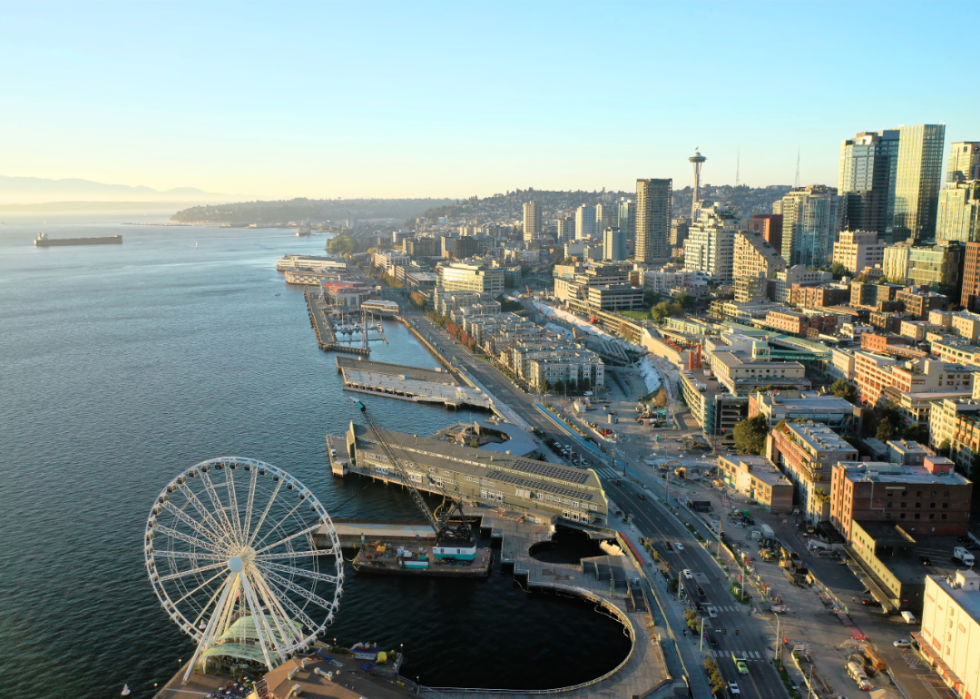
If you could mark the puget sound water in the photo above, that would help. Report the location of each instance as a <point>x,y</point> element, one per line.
<point>123,365</point>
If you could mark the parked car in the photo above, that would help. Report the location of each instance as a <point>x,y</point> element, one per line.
<point>902,643</point>
<point>869,602</point>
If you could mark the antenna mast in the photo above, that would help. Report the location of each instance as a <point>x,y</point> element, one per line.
<point>738,159</point>
<point>796,182</point>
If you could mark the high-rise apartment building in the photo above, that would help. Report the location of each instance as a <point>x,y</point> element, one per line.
<point>652,219</point>
<point>770,226</point>
<point>627,219</point>
<point>606,216</point>
<point>566,229</point>
<point>613,245</point>
<point>970,295</point>
<point>959,212</point>
<point>810,225</point>
<point>710,246</point>
<point>584,222</point>
<point>889,181</point>
<point>859,249</point>
<point>755,262</point>
<point>532,220</point>
<point>964,162</point>
<point>679,228</point>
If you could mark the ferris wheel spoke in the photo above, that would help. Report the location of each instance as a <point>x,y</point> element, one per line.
<point>190,555</point>
<point>302,532</point>
<point>280,522</point>
<point>192,571</point>
<point>301,591</point>
<point>233,502</point>
<point>185,538</point>
<point>246,526</point>
<point>194,524</point>
<point>202,510</point>
<point>284,624</point>
<point>265,513</point>
<point>294,609</point>
<point>199,588</point>
<point>294,554</point>
<point>290,570</point>
<point>216,501</point>
<point>258,619</point>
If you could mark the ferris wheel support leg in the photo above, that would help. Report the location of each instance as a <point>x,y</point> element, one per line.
<point>258,619</point>
<point>209,631</point>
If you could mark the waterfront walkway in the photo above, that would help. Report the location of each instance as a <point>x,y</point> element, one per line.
<point>610,582</point>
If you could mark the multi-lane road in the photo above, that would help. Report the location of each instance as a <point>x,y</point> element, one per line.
<point>734,629</point>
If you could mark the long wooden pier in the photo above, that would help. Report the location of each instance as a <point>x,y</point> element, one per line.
<point>325,337</point>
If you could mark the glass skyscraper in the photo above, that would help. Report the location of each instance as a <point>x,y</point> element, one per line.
<point>652,219</point>
<point>810,225</point>
<point>889,181</point>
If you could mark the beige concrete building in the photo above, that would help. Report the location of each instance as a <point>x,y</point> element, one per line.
<point>755,262</point>
<point>857,250</point>
<point>757,478</point>
<point>950,632</point>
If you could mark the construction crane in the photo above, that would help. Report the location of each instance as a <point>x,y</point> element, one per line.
<point>451,541</point>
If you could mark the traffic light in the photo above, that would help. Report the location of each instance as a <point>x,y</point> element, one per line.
<point>724,632</point>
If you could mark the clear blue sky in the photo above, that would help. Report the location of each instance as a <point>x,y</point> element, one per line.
<point>460,98</point>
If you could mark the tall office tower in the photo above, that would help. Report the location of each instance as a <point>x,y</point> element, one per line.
<point>652,219</point>
<point>970,298</point>
<point>865,181</point>
<point>770,226</point>
<point>964,162</point>
<point>532,220</point>
<point>710,246</point>
<point>810,225</point>
<point>917,179</point>
<point>697,160</point>
<point>584,222</point>
<point>627,218</point>
<point>613,244</point>
<point>959,212</point>
<point>895,263</point>
<point>889,181</point>
<point>566,228</point>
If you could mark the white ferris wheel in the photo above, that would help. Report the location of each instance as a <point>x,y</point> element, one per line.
<point>245,560</point>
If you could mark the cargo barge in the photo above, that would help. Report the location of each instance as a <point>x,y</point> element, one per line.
<point>422,561</point>
<point>43,241</point>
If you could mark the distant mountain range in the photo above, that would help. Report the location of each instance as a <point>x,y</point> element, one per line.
<point>32,190</point>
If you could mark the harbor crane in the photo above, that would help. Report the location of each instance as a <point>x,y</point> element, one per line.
<point>456,541</point>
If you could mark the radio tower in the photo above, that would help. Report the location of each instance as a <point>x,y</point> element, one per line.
<point>697,160</point>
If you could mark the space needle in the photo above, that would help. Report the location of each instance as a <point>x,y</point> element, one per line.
<point>697,160</point>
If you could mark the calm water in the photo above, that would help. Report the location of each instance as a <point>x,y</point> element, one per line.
<point>122,365</point>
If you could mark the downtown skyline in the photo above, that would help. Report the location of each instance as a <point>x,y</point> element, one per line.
<point>354,100</point>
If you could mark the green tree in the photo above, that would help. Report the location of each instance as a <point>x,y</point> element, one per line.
<point>750,435</point>
<point>686,301</point>
<point>885,430</point>
<point>917,433</point>
<point>651,297</point>
<point>842,388</point>
<point>342,245</point>
<point>945,449</point>
<point>546,386</point>
<point>838,270</point>
<point>559,386</point>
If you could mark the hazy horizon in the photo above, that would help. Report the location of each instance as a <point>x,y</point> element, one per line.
<point>446,100</point>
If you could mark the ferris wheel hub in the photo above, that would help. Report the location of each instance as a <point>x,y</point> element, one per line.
<point>236,564</point>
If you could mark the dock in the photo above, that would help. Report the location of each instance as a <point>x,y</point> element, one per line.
<point>409,383</point>
<point>418,560</point>
<point>320,321</point>
<point>354,533</point>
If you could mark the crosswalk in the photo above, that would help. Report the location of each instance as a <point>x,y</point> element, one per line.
<point>607,472</point>
<point>729,608</point>
<point>747,654</point>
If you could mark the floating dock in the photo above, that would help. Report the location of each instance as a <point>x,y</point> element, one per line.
<point>409,383</point>
<point>390,558</point>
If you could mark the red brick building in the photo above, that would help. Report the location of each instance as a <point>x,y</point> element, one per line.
<point>821,296</point>
<point>971,277</point>
<point>926,500</point>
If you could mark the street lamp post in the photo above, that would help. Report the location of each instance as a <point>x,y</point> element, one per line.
<point>701,643</point>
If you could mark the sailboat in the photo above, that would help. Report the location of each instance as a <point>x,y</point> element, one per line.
<point>125,691</point>
<point>195,244</point>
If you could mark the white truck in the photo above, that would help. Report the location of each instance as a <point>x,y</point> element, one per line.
<point>857,673</point>
<point>767,531</point>
<point>962,556</point>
